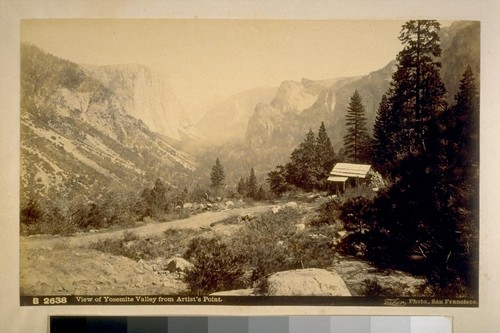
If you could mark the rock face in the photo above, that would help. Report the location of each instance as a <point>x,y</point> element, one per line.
<point>145,94</point>
<point>307,282</point>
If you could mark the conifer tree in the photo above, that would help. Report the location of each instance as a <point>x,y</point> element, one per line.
<point>302,170</point>
<point>382,140</point>
<point>324,150</point>
<point>277,181</point>
<point>430,207</point>
<point>251,184</point>
<point>417,92</point>
<point>356,141</point>
<point>241,188</point>
<point>217,175</point>
<point>459,186</point>
<point>462,127</point>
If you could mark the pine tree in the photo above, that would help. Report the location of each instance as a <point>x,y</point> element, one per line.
<point>252,184</point>
<point>217,175</point>
<point>324,150</point>
<point>460,183</point>
<point>462,127</point>
<point>356,141</point>
<point>241,188</point>
<point>277,181</point>
<point>302,169</point>
<point>417,92</point>
<point>382,141</point>
<point>429,208</point>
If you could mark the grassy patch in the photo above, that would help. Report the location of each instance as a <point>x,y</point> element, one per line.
<point>172,242</point>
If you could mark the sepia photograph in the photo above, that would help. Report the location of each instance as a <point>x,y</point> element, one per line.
<point>249,162</point>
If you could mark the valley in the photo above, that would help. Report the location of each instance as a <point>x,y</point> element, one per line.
<point>150,197</point>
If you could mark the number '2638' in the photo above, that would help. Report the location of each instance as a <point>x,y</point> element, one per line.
<point>54,300</point>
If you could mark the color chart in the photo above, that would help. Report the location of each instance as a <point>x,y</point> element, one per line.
<point>240,324</point>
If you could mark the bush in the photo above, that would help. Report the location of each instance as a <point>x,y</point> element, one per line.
<point>329,213</point>
<point>357,214</point>
<point>262,241</point>
<point>359,191</point>
<point>313,250</point>
<point>48,218</point>
<point>216,267</point>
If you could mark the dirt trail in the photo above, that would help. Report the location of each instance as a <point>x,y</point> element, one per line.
<point>192,222</point>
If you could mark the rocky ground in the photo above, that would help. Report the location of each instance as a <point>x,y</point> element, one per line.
<point>68,266</point>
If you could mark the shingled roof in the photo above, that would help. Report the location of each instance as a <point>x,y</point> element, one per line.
<point>342,171</point>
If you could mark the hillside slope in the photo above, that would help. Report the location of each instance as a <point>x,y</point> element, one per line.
<point>77,138</point>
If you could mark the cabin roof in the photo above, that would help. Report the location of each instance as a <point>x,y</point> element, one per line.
<point>346,170</point>
<point>337,179</point>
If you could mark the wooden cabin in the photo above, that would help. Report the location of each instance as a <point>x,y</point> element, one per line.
<point>345,175</point>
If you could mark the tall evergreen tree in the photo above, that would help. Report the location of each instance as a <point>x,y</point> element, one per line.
<point>277,181</point>
<point>302,170</point>
<point>252,184</point>
<point>241,188</point>
<point>217,175</point>
<point>324,150</point>
<point>382,140</point>
<point>357,140</point>
<point>460,182</point>
<point>429,208</point>
<point>462,128</point>
<point>417,92</point>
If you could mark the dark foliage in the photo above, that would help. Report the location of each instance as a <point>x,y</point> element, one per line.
<point>417,94</point>
<point>216,267</point>
<point>329,213</point>
<point>309,166</point>
<point>427,220</point>
<point>277,181</point>
<point>357,214</point>
<point>382,138</point>
<point>217,176</point>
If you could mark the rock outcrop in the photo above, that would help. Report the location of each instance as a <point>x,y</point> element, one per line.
<point>306,282</point>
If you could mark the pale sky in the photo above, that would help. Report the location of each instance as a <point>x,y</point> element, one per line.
<point>207,58</point>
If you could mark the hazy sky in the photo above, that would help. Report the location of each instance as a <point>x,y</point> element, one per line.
<point>207,58</point>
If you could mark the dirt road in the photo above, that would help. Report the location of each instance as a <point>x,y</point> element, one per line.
<point>192,222</point>
<point>52,265</point>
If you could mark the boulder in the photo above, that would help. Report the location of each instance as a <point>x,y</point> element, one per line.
<point>187,205</point>
<point>229,204</point>
<point>291,204</point>
<point>306,282</point>
<point>178,265</point>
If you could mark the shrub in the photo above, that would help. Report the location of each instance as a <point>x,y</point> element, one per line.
<point>262,241</point>
<point>313,250</point>
<point>216,267</point>
<point>329,213</point>
<point>359,191</point>
<point>357,214</point>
